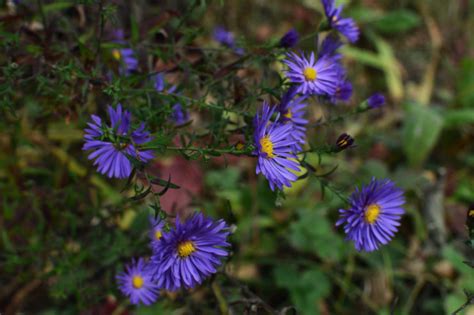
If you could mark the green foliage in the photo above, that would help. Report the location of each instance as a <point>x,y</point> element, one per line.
<point>397,21</point>
<point>420,132</point>
<point>313,233</point>
<point>465,83</point>
<point>306,288</point>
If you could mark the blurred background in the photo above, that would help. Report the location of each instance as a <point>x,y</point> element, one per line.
<point>65,230</point>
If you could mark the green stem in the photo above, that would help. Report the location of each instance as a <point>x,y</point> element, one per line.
<point>220,298</point>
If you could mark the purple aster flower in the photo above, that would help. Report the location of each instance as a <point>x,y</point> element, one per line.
<point>274,144</point>
<point>136,283</point>
<point>126,56</point>
<point>129,62</point>
<point>292,110</point>
<point>189,253</point>
<point>312,76</point>
<point>112,144</point>
<point>179,116</point>
<point>329,47</point>
<point>160,84</point>
<point>223,36</point>
<point>343,92</point>
<point>376,100</point>
<point>226,38</point>
<point>157,230</point>
<point>346,26</point>
<point>374,214</point>
<point>118,36</point>
<point>290,39</point>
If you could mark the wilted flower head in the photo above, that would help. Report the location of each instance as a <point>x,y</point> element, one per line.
<point>374,214</point>
<point>312,76</point>
<point>346,26</point>
<point>292,110</point>
<point>111,144</point>
<point>344,141</point>
<point>190,252</point>
<point>136,283</point>
<point>290,39</point>
<point>376,100</point>
<point>274,145</point>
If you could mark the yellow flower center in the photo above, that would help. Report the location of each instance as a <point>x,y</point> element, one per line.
<point>334,19</point>
<point>186,248</point>
<point>372,212</point>
<point>240,146</point>
<point>122,146</point>
<point>471,213</point>
<point>137,282</point>
<point>116,54</point>
<point>267,146</point>
<point>288,114</point>
<point>310,74</point>
<point>158,235</point>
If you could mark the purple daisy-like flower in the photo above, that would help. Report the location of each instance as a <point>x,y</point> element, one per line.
<point>226,38</point>
<point>346,26</point>
<point>129,62</point>
<point>274,145</point>
<point>374,214</point>
<point>343,92</point>
<point>160,84</point>
<point>157,230</point>
<point>136,283</point>
<point>223,36</point>
<point>329,47</point>
<point>312,76</point>
<point>376,100</point>
<point>290,39</point>
<point>111,144</point>
<point>126,56</point>
<point>292,110</point>
<point>190,252</point>
<point>179,116</point>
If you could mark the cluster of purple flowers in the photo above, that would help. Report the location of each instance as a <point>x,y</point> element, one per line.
<point>323,75</point>
<point>186,254</point>
<point>182,257</point>
<point>277,142</point>
<point>376,209</point>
